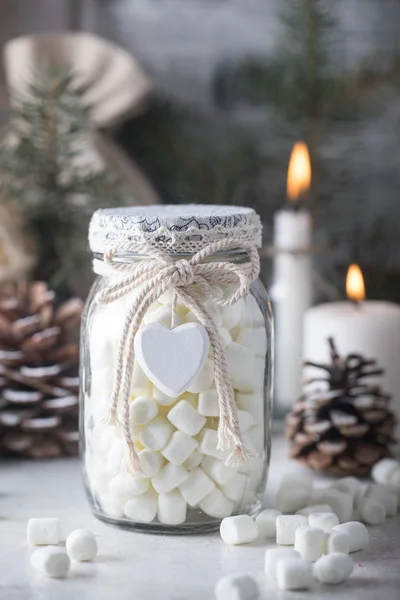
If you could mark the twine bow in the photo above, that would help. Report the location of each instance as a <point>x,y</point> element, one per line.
<point>191,281</point>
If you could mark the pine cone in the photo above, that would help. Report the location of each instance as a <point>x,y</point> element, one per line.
<point>347,426</point>
<point>39,356</point>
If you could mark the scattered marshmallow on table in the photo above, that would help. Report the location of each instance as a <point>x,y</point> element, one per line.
<point>296,481</point>
<point>335,541</point>
<point>171,508</point>
<point>286,526</point>
<point>325,521</point>
<point>289,501</point>
<point>348,485</point>
<point>371,511</point>
<point>357,533</point>
<point>266,523</point>
<point>314,508</point>
<point>44,531</point>
<point>384,469</point>
<point>236,587</point>
<point>384,496</point>
<point>308,542</point>
<point>81,545</point>
<point>341,503</point>
<point>240,529</point>
<point>51,561</point>
<point>294,574</point>
<point>333,568</point>
<point>273,556</point>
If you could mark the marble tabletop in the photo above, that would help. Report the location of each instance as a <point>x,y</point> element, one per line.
<point>138,566</point>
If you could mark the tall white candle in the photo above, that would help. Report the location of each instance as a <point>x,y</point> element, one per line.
<point>291,292</point>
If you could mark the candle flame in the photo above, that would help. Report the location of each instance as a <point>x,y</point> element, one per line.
<point>355,284</point>
<point>299,172</point>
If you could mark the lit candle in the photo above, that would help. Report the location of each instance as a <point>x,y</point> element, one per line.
<point>371,328</point>
<point>291,291</point>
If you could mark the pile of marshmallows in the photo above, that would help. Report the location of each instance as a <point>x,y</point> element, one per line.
<point>52,560</point>
<point>176,438</point>
<point>322,530</point>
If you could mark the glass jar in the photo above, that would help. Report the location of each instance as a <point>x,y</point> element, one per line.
<point>186,484</point>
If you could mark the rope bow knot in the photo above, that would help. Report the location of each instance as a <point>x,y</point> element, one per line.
<point>191,281</point>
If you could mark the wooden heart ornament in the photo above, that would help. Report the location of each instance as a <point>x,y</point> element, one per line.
<point>171,358</point>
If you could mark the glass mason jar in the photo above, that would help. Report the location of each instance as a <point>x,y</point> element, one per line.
<point>186,484</point>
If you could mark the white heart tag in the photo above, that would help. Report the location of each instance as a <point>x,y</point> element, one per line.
<point>171,358</point>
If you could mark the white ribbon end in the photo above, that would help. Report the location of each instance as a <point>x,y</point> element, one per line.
<point>110,419</point>
<point>224,435</point>
<point>131,464</point>
<point>239,455</point>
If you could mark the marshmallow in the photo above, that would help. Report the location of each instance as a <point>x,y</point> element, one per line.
<point>179,448</point>
<point>208,444</point>
<point>289,500</point>
<point>204,379</point>
<point>43,532</point>
<point>142,509</point>
<point>273,556</point>
<point>341,503</point>
<point>116,454</point>
<point>238,530</point>
<point>142,410</point>
<point>161,398</point>
<point>186,418</point>
<point>212,310</point>
<point>371,511</point>
<point>286,526</point>
<point>254,339</point>
<point>394,478</point>
<point>236,587</point>
<point>139,381</point>
<point>296,481</point>
<point>151,462</point>
<point>314,508</point>
<point>111,505</point>
<point>308,542</point>
<point>225,336</point>
<point>294,574</point>
<point>383,470</point>
<point>348,485</point>
<point>169,478</point>
<point>235,487</point>
<point>265,522</point>
<point>253,403</point>
<point>216,504</point>
<point>51,561</point>
<point>218,470</point>
<point>357,533</point>
<point>81,545</point>
<point>163,315</point>
<point>333,568</point>
<point>126,486</point>
<point>245,419</point>
<point>194,460</point>
<point>171,508</point>
<point>155,435</point>
<point>334,541</point>
<point>384,496</point>
<point>196,487</point>
<point>231,314</point>
<point>252,314</point>
<point>325,521</point>
<point>208,403</point>
<point>241,365</point>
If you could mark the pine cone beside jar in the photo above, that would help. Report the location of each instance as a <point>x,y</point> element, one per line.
<point>345,425</point>
<point>39,355</point>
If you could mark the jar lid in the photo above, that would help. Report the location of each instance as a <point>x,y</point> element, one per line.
<point>177,228</point>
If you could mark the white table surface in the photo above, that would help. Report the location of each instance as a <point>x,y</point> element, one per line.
<point>138,566</point>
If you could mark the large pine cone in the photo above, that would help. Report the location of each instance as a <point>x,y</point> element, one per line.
<point>39,357</point>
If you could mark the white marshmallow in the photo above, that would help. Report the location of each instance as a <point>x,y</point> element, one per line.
<point>252,402</point>
<point>194,460</point>
<point>394,478</point>
<point>204,379</point>
<point>196,487</point>
<point>43,532</point>
<point>384,469</point>
<point>155,435</point>
<point>252,314</point>
<point>225,336</point>
<point>296,481</point>
<point>169,478</point>
<point>333,568</point>
<point>384,496</point>
<point>238,530</point>
<point>357,533</point>
<point>161,398</point>
<point>308,542</point>
<point>265,522</point>
<point>208,403</point>
<point>112,506</point>
<point>289,500</point>
<point>236,587</point>
<point>218,470</point>
<point>348,485</point>
<point>208,444</point>
<point>186,418</point>
<point>286,526</point>
<point>216,504</point>
<point>171,508</point>
<point>212,310</point>
<point>242,367</point>
<point>151,462</point>
<point>126,486</point>
<point>163,315</point>
<point>341,503</point>
<point>371,511</point>
<point>234,488</point>
<point>142,410</point>
<point>325,521</point>
<point>179,448</point>
<point>139,380</point>
<point>245,419</point>
<point>142,509</point>
<point>254,339</point>
<point>273,556</point>
<point>51,561</point>
<point>81,545</point>
<point>116,454</point>
<point>334,541</point>
<point>314,508</point>
<point>294,574</point>
<point>231,314</point>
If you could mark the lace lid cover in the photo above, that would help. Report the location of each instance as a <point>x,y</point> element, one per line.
<point>184,228</point>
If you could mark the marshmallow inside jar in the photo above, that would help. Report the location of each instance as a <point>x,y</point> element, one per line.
<point>176,368</point>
